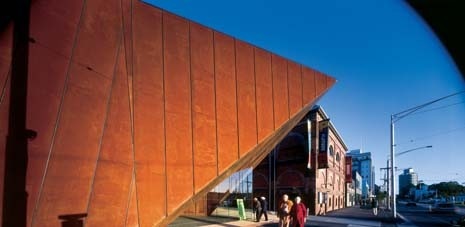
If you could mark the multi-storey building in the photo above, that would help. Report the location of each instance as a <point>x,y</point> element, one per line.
<point>309,162</point>
<point>409,177</point>
<point>362,163</point>
<point>357,182</point>
<point>124,114</point>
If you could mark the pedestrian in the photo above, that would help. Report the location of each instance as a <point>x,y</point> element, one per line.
<point>264,206</point>
<point>284,211</point>
<point>298,213</point>
<point>374,205</point>
<point>257,208</point>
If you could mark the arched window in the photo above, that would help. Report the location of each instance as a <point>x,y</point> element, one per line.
<point>338,157</point>
<point>331,150</point>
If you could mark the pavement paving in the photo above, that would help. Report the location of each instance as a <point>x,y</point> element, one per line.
<point>347,217</point>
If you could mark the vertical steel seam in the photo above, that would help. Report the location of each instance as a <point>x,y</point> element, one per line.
<point>216,112</point>
<point>131,106</point>
<point>255,93</point>
<point>164,109</point>
<point>314,84</point>
<point>272,89</point>
<point>133,182</point>
<point>301,86</point>
<point>237,102</point>
<point>8,75</point>
<point>104,125</point>
<point>256,109</point>
<point>57,121</point>
<point>288,96</point>
<point>191,110</point>
<point>129,82</point>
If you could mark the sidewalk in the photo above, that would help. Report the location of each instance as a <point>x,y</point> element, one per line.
<point>357,216</point>
<point>352,216</point>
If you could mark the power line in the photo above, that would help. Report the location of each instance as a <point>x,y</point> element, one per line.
<point>396,117</point>
<point>433,135</point>
<point>438,108</point>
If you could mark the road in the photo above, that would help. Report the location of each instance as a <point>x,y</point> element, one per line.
<point>421,216</point>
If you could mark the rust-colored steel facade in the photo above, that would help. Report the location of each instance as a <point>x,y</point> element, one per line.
<point>139,112</point>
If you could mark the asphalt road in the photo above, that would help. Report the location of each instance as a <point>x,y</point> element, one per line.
<point>421,216</point>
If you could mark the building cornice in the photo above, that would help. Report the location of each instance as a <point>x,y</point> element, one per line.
<point>320,110</point>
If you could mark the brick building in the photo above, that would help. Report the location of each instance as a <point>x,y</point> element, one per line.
<point>319,176</point>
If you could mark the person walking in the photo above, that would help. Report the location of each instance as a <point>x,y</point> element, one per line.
<point>264,206</point>
<point>298,213</point>
<point>257,208</point>
<point>374,206</point>
<point>284,210</point>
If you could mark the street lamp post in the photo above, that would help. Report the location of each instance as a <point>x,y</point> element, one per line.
<point>388,175</point>
<point>393,174</point>
<point>394,118</point>
<point>414,149</point>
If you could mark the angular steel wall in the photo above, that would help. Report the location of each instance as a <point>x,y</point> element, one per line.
<point>139,111</point>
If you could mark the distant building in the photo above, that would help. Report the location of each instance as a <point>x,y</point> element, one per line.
<point>350,194</point>
<point>362,163</point>
<point>459,198</point>
<point>357,187</point>
<point>409,177</point>
<point>377,189</point>
<point>317,175</point>
<point>421,192</point>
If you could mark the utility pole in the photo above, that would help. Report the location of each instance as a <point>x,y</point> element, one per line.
<point>393,174</point>
<point>386,185</point>
<point>394,118</point>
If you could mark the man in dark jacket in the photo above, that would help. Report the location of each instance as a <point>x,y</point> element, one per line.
<point>264,205</point>
<point>257,208</point>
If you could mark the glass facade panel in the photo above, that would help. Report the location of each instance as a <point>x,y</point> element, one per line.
<point>237,186</point>
<point>220,204</point>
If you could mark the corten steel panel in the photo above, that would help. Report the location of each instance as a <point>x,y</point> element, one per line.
<point>4,109</point>
<point>99,35</point>
<point>330,81</point>
<point>44,97</point>
<point>295,86</point>
<point>114,171</point>
<point>209,74</point>
<point>5,62</point>
<point>74,153</point>
<point>149,127</point>
<point>201,207</point>
<point>127,18</point>
<point>308,85</point>
<point>320,82</point>
<point>53,24</point>
<point>280,90</point>
<point>179,162</point>
<point>264,93</point>
<point>132,215</point>
<point>6,39</point>
<point>203,105</point>
<point>226,103</point>
<point>247,114</point>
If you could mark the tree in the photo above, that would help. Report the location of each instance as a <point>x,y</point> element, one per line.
<point>380,195</point>
<point>405,191</point>
<point>446,189</point>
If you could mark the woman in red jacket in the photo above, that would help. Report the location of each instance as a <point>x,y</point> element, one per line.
<point>298,213</point>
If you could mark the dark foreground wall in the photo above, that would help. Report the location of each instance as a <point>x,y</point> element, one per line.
<point>139,112</point>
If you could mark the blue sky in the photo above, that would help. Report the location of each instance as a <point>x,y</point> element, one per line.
<point>385,58</point>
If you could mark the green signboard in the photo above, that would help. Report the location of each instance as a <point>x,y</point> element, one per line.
<point>241,209</point>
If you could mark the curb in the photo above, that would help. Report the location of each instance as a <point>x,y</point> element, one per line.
<point>407,222</point>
